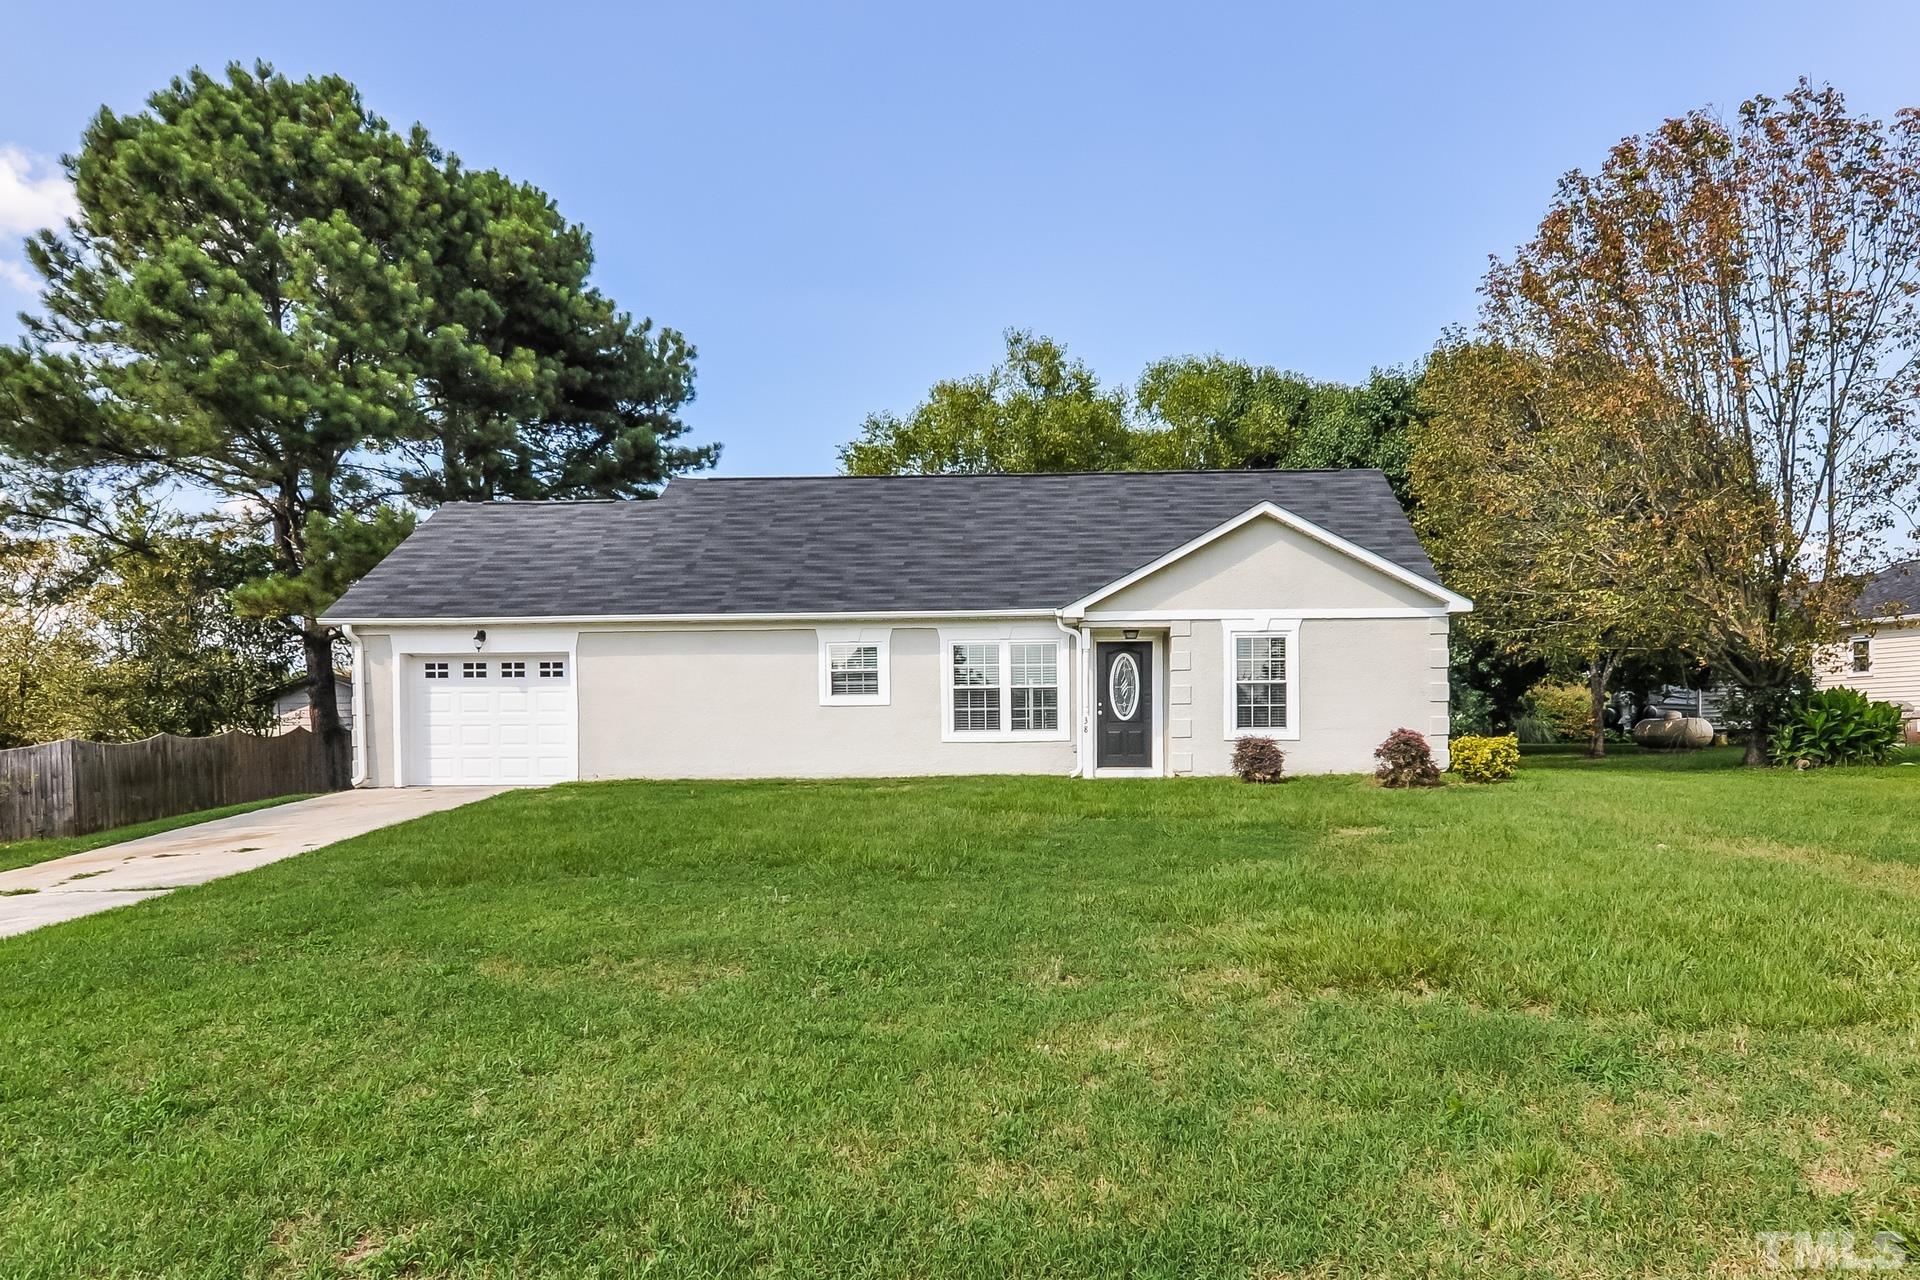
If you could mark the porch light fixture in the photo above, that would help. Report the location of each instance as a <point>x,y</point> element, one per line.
<point>479,638</point>
<point>1131,634</point>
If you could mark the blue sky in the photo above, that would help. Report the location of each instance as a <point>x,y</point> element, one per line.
<point>839,204</point>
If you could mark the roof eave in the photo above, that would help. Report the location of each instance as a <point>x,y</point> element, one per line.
<point>582,619</point>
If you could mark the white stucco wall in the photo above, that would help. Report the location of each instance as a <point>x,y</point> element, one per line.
<point>723,703</point>
<point>1360,679</point>
<point>1263,564</point>
<point>376,716</point>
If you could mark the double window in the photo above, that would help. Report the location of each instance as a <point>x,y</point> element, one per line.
<point>1263,690</point>
<point>1003,688</point>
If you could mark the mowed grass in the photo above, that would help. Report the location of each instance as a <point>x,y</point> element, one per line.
<point>25,853</point>
<point>1605,1020</point>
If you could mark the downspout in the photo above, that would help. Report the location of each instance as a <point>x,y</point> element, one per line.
<point>1079,636</point>
<point>358,703</point>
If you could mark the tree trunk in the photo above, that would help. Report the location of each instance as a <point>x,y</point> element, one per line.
<point>1759,734</point>
<point>316,644</point>
<point>1765,685</point>
<point>1599,671</point>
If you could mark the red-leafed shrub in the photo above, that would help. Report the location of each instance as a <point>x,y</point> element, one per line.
<point>1258,760</point>
<point>1406,761</point>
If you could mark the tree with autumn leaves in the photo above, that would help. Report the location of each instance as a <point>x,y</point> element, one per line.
<point>1535,519</point>
<point>1719,331</point>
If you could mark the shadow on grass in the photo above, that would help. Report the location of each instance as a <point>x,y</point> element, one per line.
<point>1628,757</point>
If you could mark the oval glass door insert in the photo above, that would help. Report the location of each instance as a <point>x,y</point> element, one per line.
<point>1123,686</point>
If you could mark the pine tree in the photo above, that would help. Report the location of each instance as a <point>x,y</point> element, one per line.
<point>274,299</point>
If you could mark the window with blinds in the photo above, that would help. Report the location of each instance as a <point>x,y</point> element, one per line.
<point>976,688</point>
<point>853,670</point>
<point>1035,690</point>
<point>1260,682</point>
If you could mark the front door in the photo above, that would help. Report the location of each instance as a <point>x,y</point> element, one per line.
<point>1123,726</point>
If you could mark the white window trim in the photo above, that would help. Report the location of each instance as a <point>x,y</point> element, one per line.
<point>882,639</point>
<point>1232,631</point>
<point>1859,638</point>
<point>1006,636</point>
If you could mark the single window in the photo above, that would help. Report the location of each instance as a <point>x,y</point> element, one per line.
<point>1862,653</point>
<point>853,670</point>
<point>1036,685</point>
<point>436,670</point>
<point>553,670</point>
<point>513,670</point>
<point>473,670</point>
<point>1260,682</point>
<point>853,666</point>
<point>976,688</point>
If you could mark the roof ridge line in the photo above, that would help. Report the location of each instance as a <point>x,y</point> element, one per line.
<point>1038,475</point>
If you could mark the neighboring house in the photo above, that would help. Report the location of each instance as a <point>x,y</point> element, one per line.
<point>1709,704</point>
<point>1091,624</point>
<point>1880,655</point>
<point>293,709</point>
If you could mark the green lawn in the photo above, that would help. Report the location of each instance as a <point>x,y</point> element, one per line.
<point>1609,1019</point>
<point>24,853</point>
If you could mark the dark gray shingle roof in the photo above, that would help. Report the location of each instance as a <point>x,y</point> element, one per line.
<point>1893,591</point>
<point>846,544</point>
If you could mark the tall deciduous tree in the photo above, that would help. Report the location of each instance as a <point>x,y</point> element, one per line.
<point>1213,413</point>
<point>1763,273</point>
<point>272,298</point>
<point>1037,410</point>
<point>1532,513</point>
<point>125,637</point>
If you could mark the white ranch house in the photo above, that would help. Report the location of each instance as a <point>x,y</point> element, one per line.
<point>1102,625</point>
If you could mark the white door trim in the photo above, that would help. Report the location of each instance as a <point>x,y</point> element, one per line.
<point>1157,707</point>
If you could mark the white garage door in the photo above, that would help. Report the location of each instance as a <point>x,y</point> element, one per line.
<point>491,719</point>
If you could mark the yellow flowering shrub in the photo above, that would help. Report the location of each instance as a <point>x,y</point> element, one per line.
<point>1566,708</point>
<point>1479,759</point>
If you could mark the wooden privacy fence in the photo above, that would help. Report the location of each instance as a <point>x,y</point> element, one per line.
<point>71,788</point>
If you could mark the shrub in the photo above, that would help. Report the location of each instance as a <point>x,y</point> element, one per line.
<point>1258,760</point>
<point>1566,708</point>
<point>1405,761</point>
<point>1837,726</point>
<point>1472,710</point>
<point>1480,759</point>
<point>1534,731</point>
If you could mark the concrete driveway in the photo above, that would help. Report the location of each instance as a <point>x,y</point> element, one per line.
<point>117,874</point>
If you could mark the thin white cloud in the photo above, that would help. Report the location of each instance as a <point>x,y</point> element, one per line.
<point>34,193</point>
